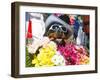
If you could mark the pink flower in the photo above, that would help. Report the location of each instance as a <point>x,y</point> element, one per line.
<point>72,53</point>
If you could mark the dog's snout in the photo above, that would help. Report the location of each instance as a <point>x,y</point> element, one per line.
<point>59,34</point>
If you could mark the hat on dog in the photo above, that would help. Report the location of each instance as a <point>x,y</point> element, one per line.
<point>55,23</point>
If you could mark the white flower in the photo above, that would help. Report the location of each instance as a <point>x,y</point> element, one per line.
<point>58,60</point>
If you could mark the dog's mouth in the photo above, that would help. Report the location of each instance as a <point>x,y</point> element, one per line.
<point>58,40</point>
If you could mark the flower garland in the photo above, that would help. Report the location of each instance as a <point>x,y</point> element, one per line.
<point>58,55</point>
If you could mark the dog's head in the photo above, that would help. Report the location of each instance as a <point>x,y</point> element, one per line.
<point>57,30</point>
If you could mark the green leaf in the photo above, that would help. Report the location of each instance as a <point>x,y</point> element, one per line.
<point>29,58</point>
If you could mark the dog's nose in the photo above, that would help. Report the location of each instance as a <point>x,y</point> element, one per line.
<point>59,34</point>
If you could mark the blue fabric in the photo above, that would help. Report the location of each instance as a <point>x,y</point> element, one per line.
<point>76,27</point>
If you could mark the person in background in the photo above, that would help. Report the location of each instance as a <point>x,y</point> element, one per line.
<point>86,29</point>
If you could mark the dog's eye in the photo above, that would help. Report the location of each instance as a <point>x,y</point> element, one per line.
<point>55,27</point>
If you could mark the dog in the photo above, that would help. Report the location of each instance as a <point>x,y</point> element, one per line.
<point>58,31</point>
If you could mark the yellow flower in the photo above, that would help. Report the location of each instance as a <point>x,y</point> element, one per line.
<point>35,61</point>
<point>84,60</point>
<point>44,58</point>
